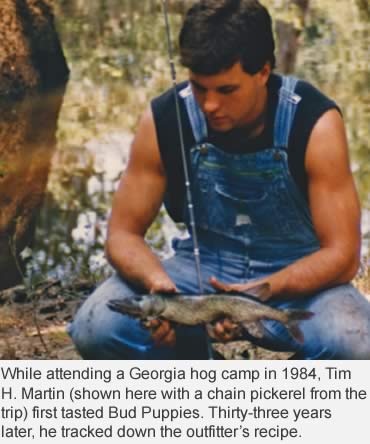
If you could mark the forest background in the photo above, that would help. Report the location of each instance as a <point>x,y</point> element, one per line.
<point>116,51</point>
<point>117,55</point>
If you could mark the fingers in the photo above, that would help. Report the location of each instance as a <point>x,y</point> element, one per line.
<point>167,340</point>
<point>224,330</point>
<point>219,285</point>
<point>163,286</point>
<point>162,332</point>
<point>260,290</point>
<point>228,324</point>
<point>167,288</point>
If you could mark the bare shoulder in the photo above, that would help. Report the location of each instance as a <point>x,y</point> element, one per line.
<point>332,193</point>
<point>145,154</point>
<point>142,186</point>
<point>145,171</point>
<point>327,150</point>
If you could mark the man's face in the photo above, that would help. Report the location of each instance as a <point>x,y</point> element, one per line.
<point>231,98</point>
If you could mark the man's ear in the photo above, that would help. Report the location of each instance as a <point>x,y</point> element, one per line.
<point>264,73</point>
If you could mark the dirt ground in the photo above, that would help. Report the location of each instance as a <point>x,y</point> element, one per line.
<point>33,325</point>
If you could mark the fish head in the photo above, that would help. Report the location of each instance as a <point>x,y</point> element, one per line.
<point>132,306</point>
<point>138,306</point>
<point>153,305</point>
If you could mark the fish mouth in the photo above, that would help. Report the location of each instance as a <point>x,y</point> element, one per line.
<point>127,306</point>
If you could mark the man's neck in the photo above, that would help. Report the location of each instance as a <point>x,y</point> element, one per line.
<point>256,127</point>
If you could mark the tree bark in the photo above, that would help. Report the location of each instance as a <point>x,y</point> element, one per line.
<point>33,75</point>
<point>288,39</point>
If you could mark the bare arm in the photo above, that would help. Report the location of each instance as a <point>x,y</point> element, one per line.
<point>335,212</point>
<point>135,205</point>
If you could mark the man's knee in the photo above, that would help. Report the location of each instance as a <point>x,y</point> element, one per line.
<point>96,329</point>
<point>340,328</point>
<point>100,333</point>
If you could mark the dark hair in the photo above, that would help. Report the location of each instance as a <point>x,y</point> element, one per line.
<point>218,33</point>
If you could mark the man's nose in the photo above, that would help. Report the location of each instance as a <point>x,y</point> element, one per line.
<point>211,103</point>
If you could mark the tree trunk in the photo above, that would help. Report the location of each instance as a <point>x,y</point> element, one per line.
<point>33,75</point>
<point>288,38</point>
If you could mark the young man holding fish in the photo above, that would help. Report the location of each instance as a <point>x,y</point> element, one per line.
<point>274,200</point>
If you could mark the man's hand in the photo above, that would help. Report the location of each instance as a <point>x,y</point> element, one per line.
<point>222,286</point>
<point>259,289</point>
<point>161,284</point>
<point>162,332</point>
<point>224,330</point>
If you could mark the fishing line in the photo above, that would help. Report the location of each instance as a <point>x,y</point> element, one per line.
<point>189,196</point>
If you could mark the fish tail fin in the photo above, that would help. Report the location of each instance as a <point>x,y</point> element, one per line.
<point>294,316</point>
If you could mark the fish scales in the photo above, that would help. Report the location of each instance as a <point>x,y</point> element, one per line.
<point>242,308</point>
<point>193,310</point>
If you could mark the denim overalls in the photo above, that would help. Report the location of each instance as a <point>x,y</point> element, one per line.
<point>251,222</point>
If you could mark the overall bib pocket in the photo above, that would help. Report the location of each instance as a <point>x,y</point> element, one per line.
<point>241,209</point>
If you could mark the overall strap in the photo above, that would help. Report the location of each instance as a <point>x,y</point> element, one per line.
<point>197,119</point>
<point>287,107</point>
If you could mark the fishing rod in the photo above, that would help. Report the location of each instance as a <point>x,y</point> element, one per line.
<point>189,196</point>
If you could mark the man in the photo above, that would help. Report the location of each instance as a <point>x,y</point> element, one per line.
<point>274,199</point>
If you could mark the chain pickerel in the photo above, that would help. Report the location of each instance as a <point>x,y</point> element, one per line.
<point>242,308</point>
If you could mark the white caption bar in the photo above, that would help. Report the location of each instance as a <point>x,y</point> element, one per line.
<point>179,402</point>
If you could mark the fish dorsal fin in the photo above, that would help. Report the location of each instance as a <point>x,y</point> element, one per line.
<point>262,292</point>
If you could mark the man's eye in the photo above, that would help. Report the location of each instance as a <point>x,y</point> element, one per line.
<point>228,90</point>
<point>199,89</point>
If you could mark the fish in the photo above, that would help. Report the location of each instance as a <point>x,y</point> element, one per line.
<point>243,308</point>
